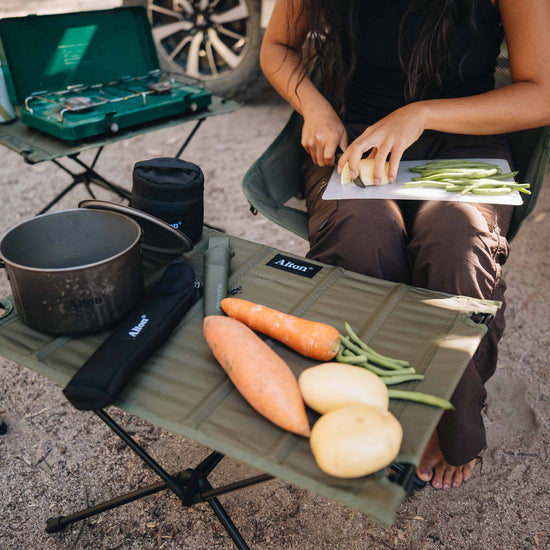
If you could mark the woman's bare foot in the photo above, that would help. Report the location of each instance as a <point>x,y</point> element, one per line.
<point>433,467</point>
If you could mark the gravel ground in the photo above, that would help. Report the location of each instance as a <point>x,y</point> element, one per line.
<point>55,460</point>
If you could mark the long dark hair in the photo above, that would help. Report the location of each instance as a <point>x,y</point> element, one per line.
<point>427,32</point>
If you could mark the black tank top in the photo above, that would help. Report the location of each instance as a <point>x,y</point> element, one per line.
<point>378,87</point>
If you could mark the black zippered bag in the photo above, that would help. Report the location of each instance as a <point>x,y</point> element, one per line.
<point>104,375</point>
<point>171,189</point>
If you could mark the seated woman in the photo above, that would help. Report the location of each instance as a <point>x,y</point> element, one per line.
<point>413,79</point>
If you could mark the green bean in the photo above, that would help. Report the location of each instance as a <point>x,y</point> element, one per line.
<point>392,380</point>
<point>419,397</point>
<point>426,183</point>
<point>373,368</point>
<point>462,170</point>
<point>506,176</point>
<point>348,344</point>
<point>383,373</point>
<point>494,184</point>
<point>470,188</point>
<point>354,351</point>
<point>401,372</point>
<point>456,181</point>
<point>466,173</point>
<point>428,173</point>
<point>454,188</point>
<point>492,191</point>
<point>460,163</point>
<point>351,359</point>
<point>373,355</point>
<point>521,187</point>
<point>388,362</point>
<point>361,361</point>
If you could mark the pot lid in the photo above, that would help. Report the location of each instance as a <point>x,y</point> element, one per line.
<point>157,235</point>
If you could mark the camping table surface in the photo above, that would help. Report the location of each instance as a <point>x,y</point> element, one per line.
<point>36,146</point>
<point>182,388</point>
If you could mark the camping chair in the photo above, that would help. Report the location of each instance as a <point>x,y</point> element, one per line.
<point>273,184</point>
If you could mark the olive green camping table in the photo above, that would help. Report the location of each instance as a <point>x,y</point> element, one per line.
<point>182,389</point>
<point>35,146</point>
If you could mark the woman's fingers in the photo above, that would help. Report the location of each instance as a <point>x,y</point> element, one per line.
<point>322,144</point>
<point>379,170</point>
<point>389,137</point>
<point>395,159</point>
<point>314,149</point>
<point>329,150</point>
<point>352,155</point>
<point>343,141</point>
<point>380,154</point>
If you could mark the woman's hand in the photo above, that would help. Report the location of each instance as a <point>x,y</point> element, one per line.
<point>323,132</point>
<point>391,136</point>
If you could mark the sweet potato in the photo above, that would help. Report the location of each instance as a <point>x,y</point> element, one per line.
<point>259,374</point>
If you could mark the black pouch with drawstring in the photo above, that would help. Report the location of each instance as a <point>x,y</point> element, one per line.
<point>100,380</point>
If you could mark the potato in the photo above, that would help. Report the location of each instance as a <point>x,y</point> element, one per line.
<point>366,167</point>
<point>329,386</point>
<point>355,440</point>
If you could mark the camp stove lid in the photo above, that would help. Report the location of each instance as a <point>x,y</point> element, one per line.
<point>74,48</point>
<point>157,235</point>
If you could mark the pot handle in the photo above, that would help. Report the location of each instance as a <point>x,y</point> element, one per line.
<point>6,307</point>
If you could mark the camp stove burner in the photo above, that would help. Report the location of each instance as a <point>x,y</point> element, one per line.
<point>162,87</point>
<point>78,103</point>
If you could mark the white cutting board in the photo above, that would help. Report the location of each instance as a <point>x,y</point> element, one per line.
<point>395,190</point>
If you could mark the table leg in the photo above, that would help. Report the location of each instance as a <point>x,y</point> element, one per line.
<point>191,486</point>
<point>53,525</point>
<point>86,177</point>
<point>189,137</point>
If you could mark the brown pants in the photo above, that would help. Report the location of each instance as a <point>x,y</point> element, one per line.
<point>452,247</point>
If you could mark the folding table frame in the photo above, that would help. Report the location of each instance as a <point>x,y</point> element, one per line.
<point>35,146</point>
<point>191,486</point>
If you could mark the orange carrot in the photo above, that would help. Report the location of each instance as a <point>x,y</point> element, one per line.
<point>260,375</point>
<point>310,338</point>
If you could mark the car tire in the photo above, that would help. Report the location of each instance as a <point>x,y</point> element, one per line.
<point>227,65</point>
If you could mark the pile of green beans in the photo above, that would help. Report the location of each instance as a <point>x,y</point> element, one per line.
<point>353,351</point>
<point>466,176</point>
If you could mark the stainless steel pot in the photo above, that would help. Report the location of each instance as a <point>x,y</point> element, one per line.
<point>74,271</point>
